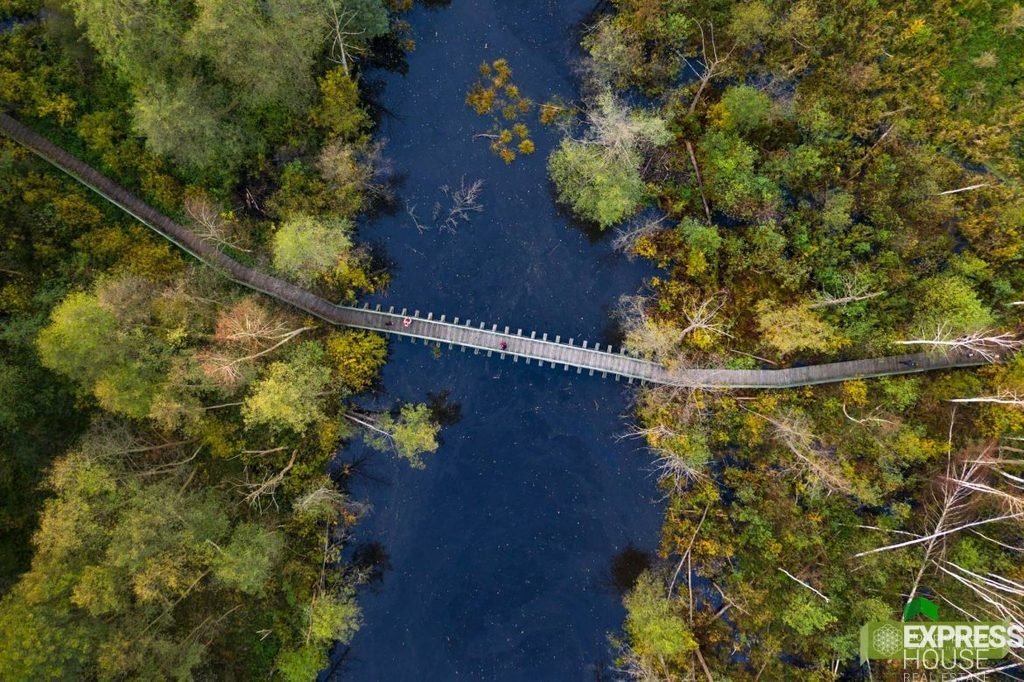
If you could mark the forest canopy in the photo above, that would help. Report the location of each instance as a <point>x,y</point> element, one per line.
<point>837,180</point>
<point>815,181</point>
<point>165,504</point>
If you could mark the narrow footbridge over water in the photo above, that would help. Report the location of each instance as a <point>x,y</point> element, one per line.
<point>478,336</point>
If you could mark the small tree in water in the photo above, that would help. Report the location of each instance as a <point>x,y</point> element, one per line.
<point>495,95</point>
<point>410,433</point>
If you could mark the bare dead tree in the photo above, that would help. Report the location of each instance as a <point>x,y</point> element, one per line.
<point>411,210</point>
<point>343,47</point>
<point>804,584</point>
<point>1003,597</point>
<point>622,133</point>
<point>870,419</point>
<point>704,316</point>
<point>987,344</point>
<point>1000,398</point>
<point>632,666</point>
<point>255,492</point>
<point>951,506</point>
<point>700,180</point>
<point>626,237</point>
<point>815,459</point>
<point>169,467</point>
<point>852,291</point>
<point>710,61</point>
<point>333,500</point>
<point>464,202</point>
<point>379,167</point>
<point>250,325</point>
<point>975,478</point>
<point>244,333</point>
<point>230,370</point>
<point>686,557</point>
<point>369,423</point>
<point>950,531</point>
<point>361,167</point>
<point>670,466</point>
<point>660,340</point>
<point>210,224</point>
<point>263,451</point>
<point>711,66</point>
<point>130,296</point>
<point>223,369</point>
<point>968,188</point>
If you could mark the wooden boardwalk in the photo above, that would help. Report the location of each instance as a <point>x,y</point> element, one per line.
<point>472,334</point>
<point>570,353</point>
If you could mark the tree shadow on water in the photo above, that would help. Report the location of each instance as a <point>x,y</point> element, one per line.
<point>626,566</point>
<point>443,409</point>
<point>371,560</point>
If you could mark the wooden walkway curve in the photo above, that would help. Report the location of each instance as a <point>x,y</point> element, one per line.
<point>471,334</point>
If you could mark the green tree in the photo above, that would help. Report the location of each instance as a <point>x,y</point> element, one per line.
<point>806,616</point>
<point>948,304</point>
<point>410,434</point>
<point>334,619</point>
<point>597,189</point>
<point>750,22</point>
<point>703,242</point>
<point>742,109</point>
<point>245,562</point>
<point>178,117</point>
<point>357,356</point>
<point>307,249</point>
<point>207,75</point>
<point>110,557</point>
<point>330,619</point>
<point>141,40</point>
<point>656,630</point>
<point>364,19</point>
<point>265,51</point>
<point>302,664</point>
<point>290,394</point>
<point>733,184</point>
<point>107,357</point>
<point>78,339</point>
<point>792,328</point>
<point>339,111</point>
<point>599,177</point>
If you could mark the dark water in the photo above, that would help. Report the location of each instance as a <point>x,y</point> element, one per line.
<point>502,552</point>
